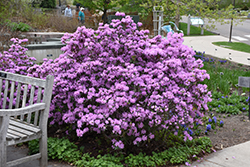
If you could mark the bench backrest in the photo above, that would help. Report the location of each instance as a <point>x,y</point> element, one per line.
<point>18,91</point>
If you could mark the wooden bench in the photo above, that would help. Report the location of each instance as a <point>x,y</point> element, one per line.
<point>24,108</point>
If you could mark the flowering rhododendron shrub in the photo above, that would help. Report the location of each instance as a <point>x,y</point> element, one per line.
<point>118,82</point>
<point>15,60</point>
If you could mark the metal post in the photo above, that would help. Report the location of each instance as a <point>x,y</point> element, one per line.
<point>231,26</point>
<point>188,25</point>
<point>159,24</point>
<point>202,30</point>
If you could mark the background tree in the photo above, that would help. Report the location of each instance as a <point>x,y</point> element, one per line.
<point>48,4</point>
<point>173,9</point>
<point>239,4</point>
<point>100,5</point>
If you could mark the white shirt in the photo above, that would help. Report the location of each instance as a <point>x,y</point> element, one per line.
<point>67,12</point>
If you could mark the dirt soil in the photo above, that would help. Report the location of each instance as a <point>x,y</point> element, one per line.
<point>236,130</point>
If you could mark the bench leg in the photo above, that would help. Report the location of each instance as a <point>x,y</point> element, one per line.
<point>4,122</point>
<point>43,151</point>
<point>3,154</point>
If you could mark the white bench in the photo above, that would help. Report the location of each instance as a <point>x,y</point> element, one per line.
<point>28,119</point>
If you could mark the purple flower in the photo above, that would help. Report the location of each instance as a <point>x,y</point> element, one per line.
<point>120,14</point>
<point>215,119</point>
<point>210,120</point>
<point>151,136</point>
<point>191,132</point>
<point>119,144</point>
<point>144,137</point>
<point>208,127</point>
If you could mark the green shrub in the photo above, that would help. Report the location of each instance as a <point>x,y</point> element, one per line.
<point>48,4</point>
<point>18,26</point>
<point>232,104</point>
<point>58,149</point>
<point>63,149</point>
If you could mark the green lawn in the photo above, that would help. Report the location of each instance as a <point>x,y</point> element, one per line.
<point>234,45</point>
<point>193,30</point>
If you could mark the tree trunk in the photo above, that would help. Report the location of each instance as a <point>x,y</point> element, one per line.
<point>105,19</point>
<point>177,16</point>
<point>106,7</point>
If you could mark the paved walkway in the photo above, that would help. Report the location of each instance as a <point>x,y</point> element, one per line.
<point>204,43</point>
<point>19,152</point>
<point>238,155</point>
<point>235,156</point>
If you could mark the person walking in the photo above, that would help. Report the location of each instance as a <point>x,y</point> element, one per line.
<point>67,12</point>
<point>78,7</point>
<point>81,16</point>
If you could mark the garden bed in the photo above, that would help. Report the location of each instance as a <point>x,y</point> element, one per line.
<point>236,128</point>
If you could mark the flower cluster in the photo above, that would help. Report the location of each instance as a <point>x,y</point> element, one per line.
<point>15,60</point>
<point>222,61</point>
<point>117,81</point>
<point>200,55</point>
<point>208,127</point>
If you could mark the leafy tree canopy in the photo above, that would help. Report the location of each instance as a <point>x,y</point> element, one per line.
<point>173,9</point>
<point>100,5</point>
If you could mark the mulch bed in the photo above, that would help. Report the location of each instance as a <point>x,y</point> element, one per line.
<point>236,130</point>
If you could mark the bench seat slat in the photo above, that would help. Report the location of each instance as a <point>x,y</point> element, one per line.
<point>23,125</point>
<point>21,130</point>
<point>11,136</point>
<point>16,133</point>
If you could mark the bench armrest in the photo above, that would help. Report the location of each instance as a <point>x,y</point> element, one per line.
<point>24,110</point>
